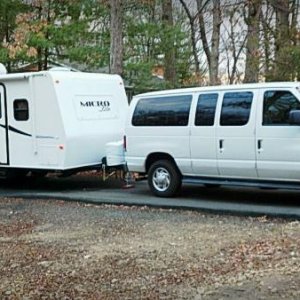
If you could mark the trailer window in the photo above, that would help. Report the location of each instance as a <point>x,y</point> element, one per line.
<point>21,112</point>
<point>277,106</point>
<point>163,111</point>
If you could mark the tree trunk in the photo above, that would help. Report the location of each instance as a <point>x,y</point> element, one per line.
<point>46,51</point>
<point>39,48</point>
<point>212,53</point>
<point>215,42</point>
<point>282,39</point>
<point>267,40</point>
<point>170,60</point>
<point>116,42</point>
<point>252,46</point>
<point>294,22</point>
<point>7,39</point>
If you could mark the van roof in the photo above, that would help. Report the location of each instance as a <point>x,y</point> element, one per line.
<point>218,88</point>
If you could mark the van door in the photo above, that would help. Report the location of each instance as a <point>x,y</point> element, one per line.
<point>3,128</point>
<point>278,142</point>
<point>203,136</point>
<point>236,135</point>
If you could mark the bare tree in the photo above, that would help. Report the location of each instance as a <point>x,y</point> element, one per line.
<point>233,41</point>
<point>169,47</point>
<point>193,32</point>
<point>295,13</point>
<point>252,19</point>
<point>116,31</point>
<point>266,19</point>
<point>211,49</point>
<point>282,39</point>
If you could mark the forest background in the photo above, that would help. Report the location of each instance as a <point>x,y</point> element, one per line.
<point>156,44</point>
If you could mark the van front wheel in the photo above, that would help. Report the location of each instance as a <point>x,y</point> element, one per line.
<point>164,179</point>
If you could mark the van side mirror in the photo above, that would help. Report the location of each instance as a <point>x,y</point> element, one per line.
<point>294,117</point>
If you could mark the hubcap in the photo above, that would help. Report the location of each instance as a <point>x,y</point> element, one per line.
<point>161,179</point>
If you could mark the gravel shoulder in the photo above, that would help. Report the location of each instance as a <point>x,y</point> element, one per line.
<point>63,250</point>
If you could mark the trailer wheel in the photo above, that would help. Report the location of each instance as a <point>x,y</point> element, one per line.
<point>13,174</point>
<point>164,178</point>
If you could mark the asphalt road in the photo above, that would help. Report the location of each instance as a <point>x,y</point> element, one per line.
<point>91,189</point>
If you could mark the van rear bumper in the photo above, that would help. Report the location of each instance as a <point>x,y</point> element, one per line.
<point>135,164</point>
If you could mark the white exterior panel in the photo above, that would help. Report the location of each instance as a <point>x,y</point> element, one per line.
<point>3,132</point>
<point>279,156</point>
<point>250,151</point>
<point>237,156</point>
<point>72,115</point>
<point>93,110</point>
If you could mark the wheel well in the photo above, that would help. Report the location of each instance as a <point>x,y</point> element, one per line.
<point>153,157</point>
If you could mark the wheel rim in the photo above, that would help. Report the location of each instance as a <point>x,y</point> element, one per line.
<point>161,179</point>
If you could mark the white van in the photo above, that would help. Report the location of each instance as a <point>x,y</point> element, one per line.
<point>238,135</point>
<point>58,120</point>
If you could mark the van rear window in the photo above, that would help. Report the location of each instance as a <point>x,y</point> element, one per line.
<point>163,111</point>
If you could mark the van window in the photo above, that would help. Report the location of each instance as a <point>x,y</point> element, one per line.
<point>236,108</point>
<point>277,106</point>
<point>21,112</point>
<point>206,107</point>
<point>0,107</point>
<point>163,111</point>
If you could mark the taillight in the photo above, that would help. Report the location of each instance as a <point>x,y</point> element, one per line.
<point>124,143</point>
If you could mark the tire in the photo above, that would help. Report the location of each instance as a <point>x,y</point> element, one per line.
<point>164,179</point>
<point>13,174</point>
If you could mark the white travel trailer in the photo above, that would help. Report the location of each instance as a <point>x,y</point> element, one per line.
<point>222,135</point>
<point>58,120</point>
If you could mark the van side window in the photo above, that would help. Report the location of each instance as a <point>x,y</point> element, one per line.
<point>163,111</point>
<point>21,112</point>
<point>236,108</point>
<point>277,106</point>
<point>206,107</point>
<point>0,107</point>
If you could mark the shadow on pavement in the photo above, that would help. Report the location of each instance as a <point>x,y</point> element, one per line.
<point>93,183</point>
<point>243,195</point>
<point>72,183</point>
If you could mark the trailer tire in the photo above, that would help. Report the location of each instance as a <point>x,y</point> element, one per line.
<point>13,174</point>
<point>164,178</point>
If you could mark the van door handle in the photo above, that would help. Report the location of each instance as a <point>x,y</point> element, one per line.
<point>259,144</point>
<point>221,144</point>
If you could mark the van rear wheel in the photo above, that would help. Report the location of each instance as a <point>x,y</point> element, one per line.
<point>164,178</point>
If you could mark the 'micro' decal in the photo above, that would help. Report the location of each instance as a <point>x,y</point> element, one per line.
<point>95,107</point>
<point>103,105</point>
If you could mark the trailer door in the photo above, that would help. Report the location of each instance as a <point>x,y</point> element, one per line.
<point>3,128</point>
